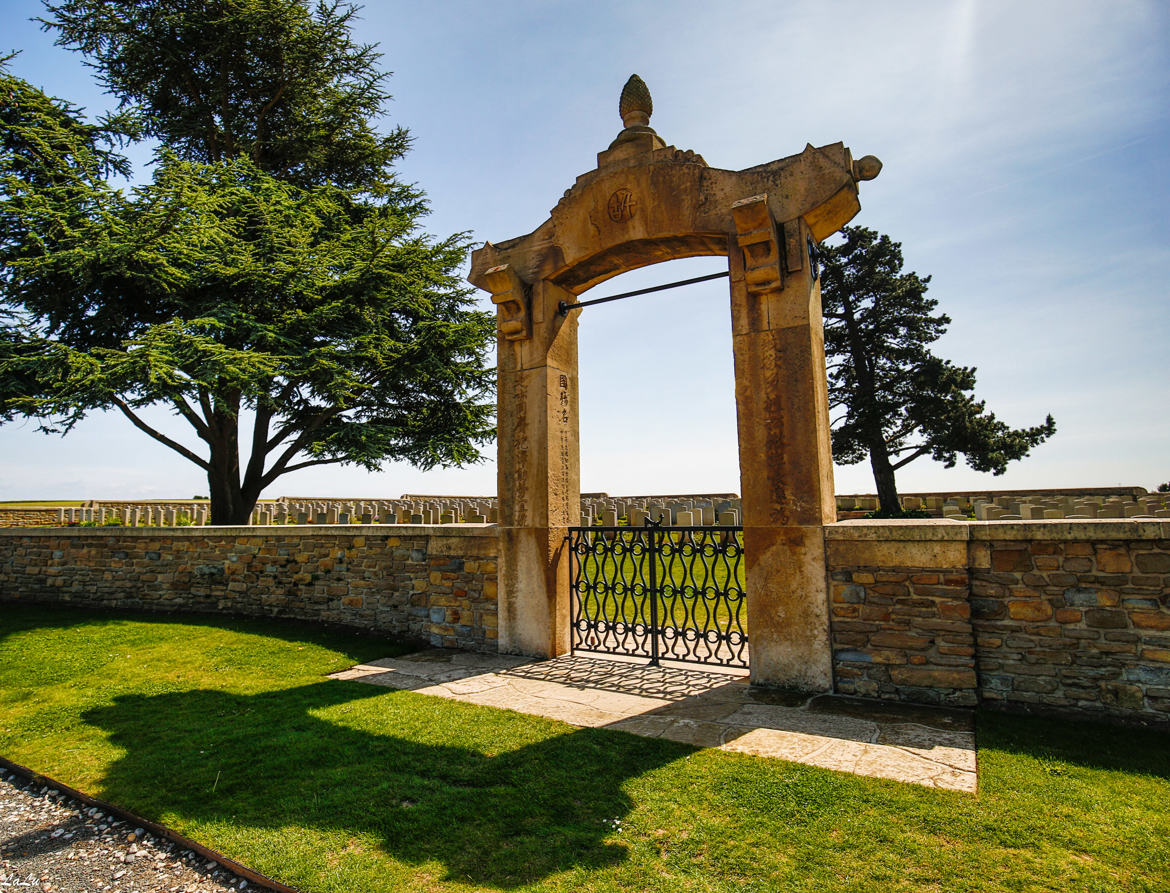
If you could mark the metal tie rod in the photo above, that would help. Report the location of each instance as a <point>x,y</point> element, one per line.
<point>563,307</point>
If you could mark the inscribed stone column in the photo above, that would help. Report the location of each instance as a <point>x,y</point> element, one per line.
<point>538,461</point>
<point>785,458</point>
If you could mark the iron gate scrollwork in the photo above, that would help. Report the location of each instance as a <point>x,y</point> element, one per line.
<point>674,593</point>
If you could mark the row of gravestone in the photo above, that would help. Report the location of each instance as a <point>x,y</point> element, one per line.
<point>721,509</point>
<point>1128,502</point>
<point>1155,505</point>
<point>603,510</point>
<point>691,511</point>
<point>290,511</point>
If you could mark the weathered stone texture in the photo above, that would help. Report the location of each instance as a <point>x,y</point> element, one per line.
<point>1075,625</point>
<point>435,586</point>
<point>902,633</point>
<point>27,517</point>
<point>1055,616</point>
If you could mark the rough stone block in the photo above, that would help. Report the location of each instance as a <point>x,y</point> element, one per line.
<point>957,650</point>
<point>1029,609</point>
<point>988,609</point>
<point>880,656</point>
<point>849,594</point>
<point>931,677</point>
<point>897,639</point>
<point>1011,560</point>
<point>1140,604</point>
<point>1106,618</point>
<point>1146,620</point>
<point>954,610</point>
<point>984,588</point>
<point>1113,560</point>
<point>1149,675</point>
<point>1153,563</point>
<point>1081,598</point>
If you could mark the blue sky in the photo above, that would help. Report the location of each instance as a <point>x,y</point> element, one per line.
<point>1026,171</point>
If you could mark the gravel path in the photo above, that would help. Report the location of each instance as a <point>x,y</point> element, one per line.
<point>51,842</point>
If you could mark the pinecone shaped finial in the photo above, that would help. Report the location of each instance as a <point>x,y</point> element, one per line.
<point>635,105</point>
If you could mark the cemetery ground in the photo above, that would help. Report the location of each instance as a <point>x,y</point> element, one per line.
<point>229,732</point>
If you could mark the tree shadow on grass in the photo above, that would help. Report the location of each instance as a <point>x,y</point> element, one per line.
<point>265,761</point>
<point>21,617</point>
<point>1081,742</point>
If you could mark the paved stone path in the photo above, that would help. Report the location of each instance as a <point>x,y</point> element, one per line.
<point>706,708</point>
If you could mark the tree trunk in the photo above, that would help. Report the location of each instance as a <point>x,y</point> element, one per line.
<point>883,477</point>
<point>230,504</point>
<point>863,403</point>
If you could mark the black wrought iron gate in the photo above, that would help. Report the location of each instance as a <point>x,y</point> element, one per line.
<point>674,593</point>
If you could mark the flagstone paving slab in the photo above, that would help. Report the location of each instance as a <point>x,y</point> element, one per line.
<point>706,708</point>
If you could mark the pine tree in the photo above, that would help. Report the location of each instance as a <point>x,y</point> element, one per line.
<point>896,400</point>
<point>273,264</point>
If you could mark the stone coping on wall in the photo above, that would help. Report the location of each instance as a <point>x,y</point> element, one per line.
<point>908,530</point>
<point>196,531</point>
<point>1135,489</point>
<point>1065,529</point>
<point>927,529</point>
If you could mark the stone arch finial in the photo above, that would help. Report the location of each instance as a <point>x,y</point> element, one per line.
<point>635,105</point>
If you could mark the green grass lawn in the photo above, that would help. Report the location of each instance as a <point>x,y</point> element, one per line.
<point>229,732</point>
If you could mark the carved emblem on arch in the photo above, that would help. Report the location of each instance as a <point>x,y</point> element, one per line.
<point>621,205</point>
<point>513,299</point>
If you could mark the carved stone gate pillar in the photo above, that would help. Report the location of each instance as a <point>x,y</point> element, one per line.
<point>785,458</point>
<point>538,461</point>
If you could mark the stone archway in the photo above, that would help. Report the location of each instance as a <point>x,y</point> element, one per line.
<point>647,202</point>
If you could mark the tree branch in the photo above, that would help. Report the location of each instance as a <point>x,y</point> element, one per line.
<point>267,107</point>
<point>301,465</point>
<point>921,451</point>
<point>319,419</point>
<point>200,426</point>
<point>278,467</point>
<point>159,436</point>
<point>900,450</point>
<point>255,469</point>
<point>208,409</point>
<point>907,429</point>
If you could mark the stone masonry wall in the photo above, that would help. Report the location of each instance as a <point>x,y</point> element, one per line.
<point>12,516</point>
<point>1043,615</point>
<point>900,614</point>
<point>1073,623</point>
<point>437,585</point>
